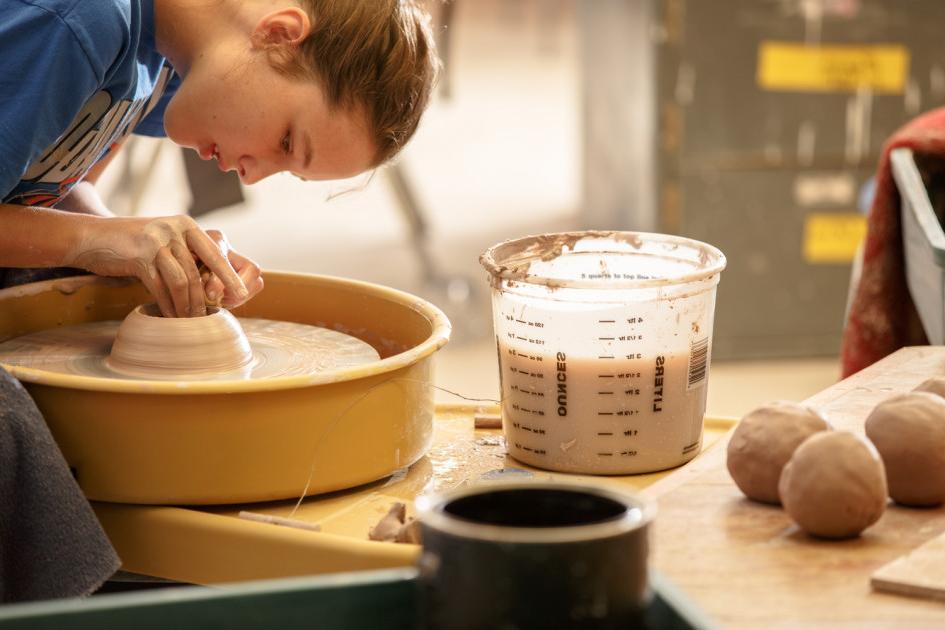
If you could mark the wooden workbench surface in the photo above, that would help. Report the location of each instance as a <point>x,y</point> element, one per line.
<point>747,565</point>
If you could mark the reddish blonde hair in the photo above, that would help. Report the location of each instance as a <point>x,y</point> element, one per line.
<point>379,54</point>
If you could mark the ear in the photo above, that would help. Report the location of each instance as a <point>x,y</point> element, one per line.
<point>290,26</point>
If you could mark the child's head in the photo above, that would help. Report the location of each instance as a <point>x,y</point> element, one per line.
<point>323,88</point>
<point>376,54</point>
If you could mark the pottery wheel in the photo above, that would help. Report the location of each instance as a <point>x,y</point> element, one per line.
<point>279,349</point>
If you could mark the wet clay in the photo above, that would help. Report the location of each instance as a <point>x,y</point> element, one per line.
<point>147,343</point>
<point>764,441</point>
<point>396,526</point>
<point>909,433</point>
<point>277,349</point>
<point>834,486</point>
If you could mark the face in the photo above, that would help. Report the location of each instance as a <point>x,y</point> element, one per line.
<point>256,121</point>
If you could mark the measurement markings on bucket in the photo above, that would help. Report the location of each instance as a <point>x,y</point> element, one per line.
<point>528,389</point>
<point>521,409</point>
<point>529,392</point>
<point>620,392</point>
<point>528,396</point>
<point>525,427</point>
<point>618,339</point>
<point>526,373</point>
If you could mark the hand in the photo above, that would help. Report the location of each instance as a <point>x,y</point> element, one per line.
<point>247,270</point>
<point>163,253</point>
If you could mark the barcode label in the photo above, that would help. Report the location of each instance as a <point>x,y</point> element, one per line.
<point>698,362</point>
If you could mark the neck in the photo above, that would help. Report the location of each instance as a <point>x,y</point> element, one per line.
<point>186,30</point>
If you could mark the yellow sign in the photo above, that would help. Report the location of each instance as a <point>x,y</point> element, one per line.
<point>831,238</point>
<point>785,66</point>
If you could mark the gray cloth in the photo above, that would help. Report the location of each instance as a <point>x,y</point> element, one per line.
<point>51,544</point>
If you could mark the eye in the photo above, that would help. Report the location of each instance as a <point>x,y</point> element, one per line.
<point>287,143</point>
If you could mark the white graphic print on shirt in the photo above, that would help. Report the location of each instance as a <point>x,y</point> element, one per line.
<point>98,126</point>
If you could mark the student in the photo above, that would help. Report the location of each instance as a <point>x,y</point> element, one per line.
<point>320,88</point>
<point>324,89</point>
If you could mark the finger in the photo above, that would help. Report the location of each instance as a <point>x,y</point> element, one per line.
<point>220,239</point>
<point>194,285</point>
<point>249,273</point>
<point>213,288</point>
<point>176,281</point>
<point>208,252</point>
<point>254,287</point>
<point>156,287</point>
<point>257,286</point>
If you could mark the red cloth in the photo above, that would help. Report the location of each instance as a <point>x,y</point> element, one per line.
<point>882,316</point>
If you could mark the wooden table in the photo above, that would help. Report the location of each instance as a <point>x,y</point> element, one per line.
<point>748,565</point>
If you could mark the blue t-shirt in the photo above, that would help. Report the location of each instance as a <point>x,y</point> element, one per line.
<point>79,75</point>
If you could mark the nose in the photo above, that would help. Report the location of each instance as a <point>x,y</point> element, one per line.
<point>252,170</point>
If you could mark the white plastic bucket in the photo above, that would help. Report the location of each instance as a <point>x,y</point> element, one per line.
<point>604,342</point>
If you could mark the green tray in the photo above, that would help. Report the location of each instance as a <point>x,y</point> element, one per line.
<point>366,599</point>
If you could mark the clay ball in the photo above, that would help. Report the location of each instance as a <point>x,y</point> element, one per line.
<point>909,433</point>
<point>834,486</point>
<point>936,385</point>
<point>764,441</point>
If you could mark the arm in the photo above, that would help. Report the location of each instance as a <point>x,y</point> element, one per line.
<point>37,237</point>
<point>55,238</point>
<point>161,252</point>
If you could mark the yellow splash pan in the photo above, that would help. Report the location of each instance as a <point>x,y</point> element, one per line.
<point>218,442</point>
<point>212,544</point>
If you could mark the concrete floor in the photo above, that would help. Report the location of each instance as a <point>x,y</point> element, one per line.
<point>499,158</point>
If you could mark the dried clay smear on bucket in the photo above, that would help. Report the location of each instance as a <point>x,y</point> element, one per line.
<point>512,261</point>
<point>515,263</point>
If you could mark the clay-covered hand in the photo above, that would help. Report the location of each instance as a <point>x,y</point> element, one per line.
<point>249,272</point>
<point>163,253</point>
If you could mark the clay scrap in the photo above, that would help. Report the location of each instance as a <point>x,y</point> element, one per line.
<point>396,527</point>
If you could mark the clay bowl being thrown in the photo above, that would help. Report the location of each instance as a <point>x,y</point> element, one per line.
<point>150,345</point>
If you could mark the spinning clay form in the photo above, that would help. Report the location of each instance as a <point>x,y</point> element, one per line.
<point>216,347</point>
<point>148,344</point>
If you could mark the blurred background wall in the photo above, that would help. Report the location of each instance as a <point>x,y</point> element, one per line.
<point>754,125</point>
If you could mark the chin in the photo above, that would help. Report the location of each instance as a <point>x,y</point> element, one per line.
<point>174,134</point>
<point>176,128</point>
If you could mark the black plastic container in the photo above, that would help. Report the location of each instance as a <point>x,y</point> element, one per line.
<point>534,555</point>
